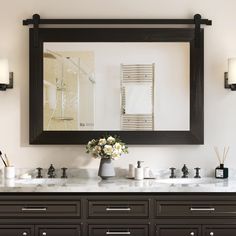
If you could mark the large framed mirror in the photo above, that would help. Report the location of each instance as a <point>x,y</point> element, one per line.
<point>143,84</point>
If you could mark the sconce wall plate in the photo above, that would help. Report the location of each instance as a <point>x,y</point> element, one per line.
<point>4,87</point>
<point>227,85</point>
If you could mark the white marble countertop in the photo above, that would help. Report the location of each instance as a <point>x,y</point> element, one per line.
<point>121,185</point>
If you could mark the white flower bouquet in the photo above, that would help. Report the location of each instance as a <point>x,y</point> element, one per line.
<point>107,147</point>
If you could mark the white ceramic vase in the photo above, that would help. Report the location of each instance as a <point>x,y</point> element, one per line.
<point>106,169</point>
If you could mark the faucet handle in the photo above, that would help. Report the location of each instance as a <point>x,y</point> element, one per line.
<point>172,172</point>
<point>197,172</point>
<point>64,176</point>
<point>39,175</point>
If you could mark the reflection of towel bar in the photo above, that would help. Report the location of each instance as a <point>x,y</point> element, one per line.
<point>136,74</point>
<point>62,118</point>
<point>137,122</point>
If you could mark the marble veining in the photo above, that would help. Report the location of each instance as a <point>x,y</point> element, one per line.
<point>121,185</point>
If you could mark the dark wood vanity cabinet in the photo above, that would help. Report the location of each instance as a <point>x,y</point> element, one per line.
<point>137,214</point>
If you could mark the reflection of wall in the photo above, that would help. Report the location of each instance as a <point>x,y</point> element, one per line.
<point>171,85</point>
<point>171,80</point>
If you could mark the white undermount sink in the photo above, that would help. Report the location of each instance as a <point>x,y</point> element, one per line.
<point>188,181</point>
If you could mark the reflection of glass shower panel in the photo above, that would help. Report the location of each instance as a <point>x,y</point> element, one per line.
<point>137,97</point>
<point>64,115</point>
<point>68,91</point>
<point>86,105</point>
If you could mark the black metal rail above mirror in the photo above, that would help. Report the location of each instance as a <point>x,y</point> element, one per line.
<point>87,82</point>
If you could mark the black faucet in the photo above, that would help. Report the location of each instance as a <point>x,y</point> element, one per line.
<point>51,172</point>
<point>185,171</point>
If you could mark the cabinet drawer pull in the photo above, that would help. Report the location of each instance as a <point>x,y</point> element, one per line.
<point>202,209</point>
<point>34,209</point>
<point>211,233</point>
<point>118,209</point>
<point>44,233</point>
<point>119,233</point>
<point>192,233</point>
<point>24,233</point>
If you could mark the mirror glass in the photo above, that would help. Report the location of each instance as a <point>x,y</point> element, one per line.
<point>116,86</point>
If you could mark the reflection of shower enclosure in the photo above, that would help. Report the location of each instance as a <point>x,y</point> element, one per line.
<point>64,80</point>
<point>137,108</point>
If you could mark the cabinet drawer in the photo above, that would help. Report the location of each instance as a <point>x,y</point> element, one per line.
<point>39,209</point>
<point>57,230</point>
<point>178,230</point>
<point>219,230</point>
<point>110,230</point>
<point>196,208</point>
<point>123,209</point>
<point>13,230</point>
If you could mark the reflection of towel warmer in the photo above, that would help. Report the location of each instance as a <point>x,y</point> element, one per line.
<point>136,74</point>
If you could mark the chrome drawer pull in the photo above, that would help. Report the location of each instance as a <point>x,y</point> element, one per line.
<point>118,209</point>
<point>202,209</point>
<point>34,209</point>
<point>113,233</point>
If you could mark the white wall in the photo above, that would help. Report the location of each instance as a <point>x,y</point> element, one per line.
<point>220,113</point>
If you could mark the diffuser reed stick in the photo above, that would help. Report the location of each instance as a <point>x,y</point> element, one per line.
<point>217,154</point>
<point>226,153</point>
<point>7,160</point>
<point>222,158</point>
<point>5,164</point>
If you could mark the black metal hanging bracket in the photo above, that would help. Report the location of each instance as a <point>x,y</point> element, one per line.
<point>36,21</point>
<point>197,21</point>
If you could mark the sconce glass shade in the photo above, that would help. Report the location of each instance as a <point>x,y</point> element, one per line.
<point>4,71</point>
<point>232,71</point>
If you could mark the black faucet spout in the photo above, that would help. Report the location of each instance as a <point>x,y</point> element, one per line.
<point>185,171</point>
<point>51,172</point>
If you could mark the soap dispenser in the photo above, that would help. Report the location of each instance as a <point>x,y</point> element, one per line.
<point>139,171</point>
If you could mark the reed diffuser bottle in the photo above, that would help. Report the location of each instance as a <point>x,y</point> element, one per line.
<point>221,172</point>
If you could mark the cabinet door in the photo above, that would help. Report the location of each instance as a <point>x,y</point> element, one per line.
<point>220,230</point>
<point>178,230</point>
<point>57,230</point>
<point>16,230</point>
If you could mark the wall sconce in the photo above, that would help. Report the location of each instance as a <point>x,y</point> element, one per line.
<point>230,76</point>
<point>6,77</point>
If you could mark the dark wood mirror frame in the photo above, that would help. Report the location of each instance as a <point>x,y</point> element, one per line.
<point>37,37</point>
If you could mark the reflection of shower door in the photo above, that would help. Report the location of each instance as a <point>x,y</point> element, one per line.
<point>137,97</point>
